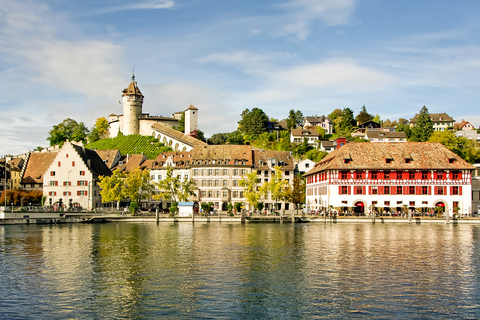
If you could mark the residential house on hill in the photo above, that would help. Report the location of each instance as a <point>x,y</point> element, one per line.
<point>464,125</point>
<point>385,136</point>
<point>391,176</point>
<point>441,121</point>
<point>322,121</point>
<point>297,135</point>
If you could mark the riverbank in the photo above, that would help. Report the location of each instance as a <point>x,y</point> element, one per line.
<point>55,218</point>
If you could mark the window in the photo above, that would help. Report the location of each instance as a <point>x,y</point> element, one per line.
<point>210,172</point>
<point>225,183</point>
<point>81,183</point>
<point>210,193</point>
<point>52,173</point>
<point>203,194</point>
<point>53,183</point>
<point>195,172</point>
<point>235,172</point>
<point>424,175</point>
<point>152,177</point>
<point>217,183</point>
<point>399,190</point>
<point>411,190</point>
<point>59,163</point>
<point>386,203</point>
<point>359,189</point>
<point>67,193</point>
<point>374,175</point>
<point>235,183</point>
<point>344,190</point>
<point>81,193</point>
<point>243,172</point>
<point>82,173</point>
<point>307,165</point>
<point>411,175</point>
<point>386,190</point>
<point>439,190</point>
<point>424,190</point>
<point>210,183</point>
<point>204,172</point>
<point>455,175</point>
<point>204,183</point>
<point>52,193</point>
<point>265,173</point>
<point>455,190</point>
<point>440,175</point>
<point>344,175</point>
<point>358,175</point>
<point>224,194</point>
<point>412,203</point>
<point>225,172</point>
<point>241,194</point>
<point>386,175</point>
<point>73,163</point>
<point>159,177</point>
<point>399,175</point>
<point>67,183</point>
<point>235,194</point>
<point>217,172</point>
<point>287,173</point>
<point>374,190</point>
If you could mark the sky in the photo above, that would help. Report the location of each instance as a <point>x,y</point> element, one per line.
<point>72,58</point>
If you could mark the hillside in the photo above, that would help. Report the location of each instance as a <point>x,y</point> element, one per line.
<point>131,144</point>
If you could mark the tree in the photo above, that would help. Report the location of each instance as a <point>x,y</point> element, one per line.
<point>423,129</point>
<point>296,193</point>
<point>99,130</point>
<point>403,125</point>
<point>135,185</point>
<point>363,116</point>
<point>175,189</point>
<point>463,147</point>
<point>235,137</point>
<point>347,124</point>
<point>321,132</point>
<point>377,119</point>
<point>251,192</point>
<point>335,114</point>
<point>295,119</point>
<point>389,124</point>
<point>276,186</point>
<point>181,123</point>
<point>253,122</point>
<point>68,129</point>
<point>218,138</point>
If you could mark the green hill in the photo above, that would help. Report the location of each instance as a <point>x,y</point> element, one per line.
<point>131,144</point>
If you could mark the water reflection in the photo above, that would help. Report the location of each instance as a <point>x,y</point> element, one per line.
<point>264,271</point>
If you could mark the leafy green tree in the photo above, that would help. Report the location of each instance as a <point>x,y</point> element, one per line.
<point>175,189</point>
<point>377,119</point>
<point>363,116</point>
<point>321,132</point>
<point>251,190</point>
<point>348,122</point>
<point>68,129</point>
<point>99,130</point>
<point>235,137</point>
<point>181,123</point>
<point>467,149</point>
<point>112,187</point>
<point>218,138</point>
<point>403,125</point>
<point>253,122</point>
<point>296,193</point>
<point>423,129</point>
<point>295,119</point>
<point>276,186</point>
<point>337,113</point>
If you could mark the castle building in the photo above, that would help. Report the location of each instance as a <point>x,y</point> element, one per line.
<point>391,177</point>
<point>134,121</point>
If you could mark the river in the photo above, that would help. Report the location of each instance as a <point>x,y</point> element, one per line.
<point>127,270</point>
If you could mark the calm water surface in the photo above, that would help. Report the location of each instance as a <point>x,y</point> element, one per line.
<point>233,271</point>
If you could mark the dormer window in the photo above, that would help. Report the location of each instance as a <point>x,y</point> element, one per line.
<point>451,160</point>
<point>408,160</point>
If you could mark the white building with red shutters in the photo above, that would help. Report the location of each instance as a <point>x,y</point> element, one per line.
<point>390,177</point>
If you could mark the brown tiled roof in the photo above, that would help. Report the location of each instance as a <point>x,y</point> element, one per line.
<point>108,156</point>
<point>132,89</point>
<point>366,155</point>
<point>312,132</point>
<point>284,159</point>
<point>181,159</point>
<point>385,134</point>
<point>130,162</point>
<point>436,117</point>
<point>314,119</point>
<point>223,152</point>
<point>191,108</point>
<point>191,141</point>
<point>38,163</point>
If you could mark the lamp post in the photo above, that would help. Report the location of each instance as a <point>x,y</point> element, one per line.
<point>8,157</point>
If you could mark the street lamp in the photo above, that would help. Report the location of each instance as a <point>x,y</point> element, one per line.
<point>8,157</point>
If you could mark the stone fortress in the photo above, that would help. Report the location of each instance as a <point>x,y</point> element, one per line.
<point>134,121</point>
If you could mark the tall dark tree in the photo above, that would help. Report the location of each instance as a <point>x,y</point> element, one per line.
<point>253,122</point>
<point>67,129</point>
<point>295,119</point>
<point>363,116</point>
<point>423,128</point>
<point>235,137</point>
<point>218,138</point>
<point>348,122</point>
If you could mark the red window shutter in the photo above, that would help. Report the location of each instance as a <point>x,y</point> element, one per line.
<point>418,190</point>
<point>78,183</point>
<point>405,190</point>
<point>86,192</point>
<point>380,190</point>
<point>369,189</point>
<point>354,190</point>
<point>435,175</point>
<point>380,175</point>
<point>56,183</point>
<point>444,190</point>
<point>363,190</point>
<point>349,190</point>
<point>460,190</point>
<point>435,190</point>
<point>429,190</point>
<point>451,190</point>
<point>393,190</point>
<point>459,175</point>
<point>78,192</point>
<point>339,189</point>
<point>340,175</point>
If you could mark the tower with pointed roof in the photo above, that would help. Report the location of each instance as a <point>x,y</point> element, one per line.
<point>191,123</point>
<point>132,108</point>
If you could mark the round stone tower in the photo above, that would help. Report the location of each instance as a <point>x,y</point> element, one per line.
<point>132,108</point>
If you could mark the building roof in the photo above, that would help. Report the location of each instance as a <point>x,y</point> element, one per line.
<point>132,88</point>
<point>312,132</point>
<point>192,107</point>
<point>366,155</point>
<point>385,134</point>
<point>177,135</point>
<point>315,119</point>
<point>37,164</point>
<point>436,117</point>
<point>222,154</point>
<point>179,158</point>
<point>130,162</point>
<point>108,156</point>
<point>92,160</point>
<point>284,159</point>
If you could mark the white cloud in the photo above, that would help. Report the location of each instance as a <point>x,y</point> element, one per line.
<point>143,5</point>
<point>303,12</point>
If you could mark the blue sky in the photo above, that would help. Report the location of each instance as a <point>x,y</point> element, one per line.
<point>71,59</point>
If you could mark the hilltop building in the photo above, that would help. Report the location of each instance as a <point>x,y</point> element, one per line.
<point>391,176</point>
<point>134,121</point>
<point>441,121</point>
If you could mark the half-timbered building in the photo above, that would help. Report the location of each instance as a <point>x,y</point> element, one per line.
<point>389,177</point>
